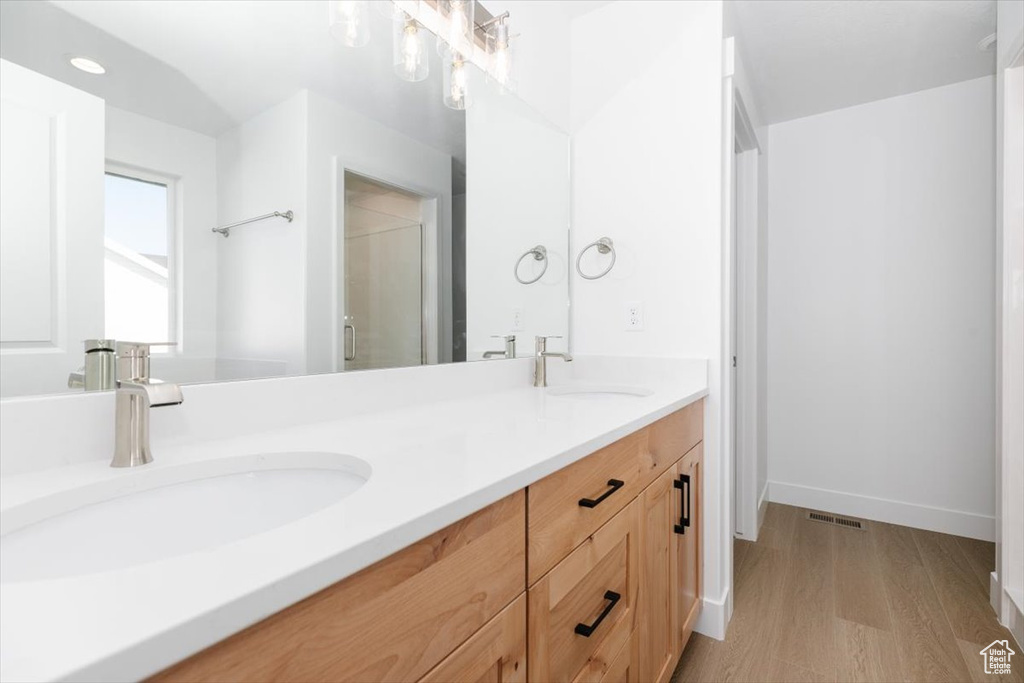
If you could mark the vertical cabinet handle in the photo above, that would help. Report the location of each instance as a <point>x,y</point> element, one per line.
<point>683,484</point>
<point>615,485</point>
<point>586,630</point>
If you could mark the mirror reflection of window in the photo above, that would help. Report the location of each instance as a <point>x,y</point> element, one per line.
<point>138,258</point>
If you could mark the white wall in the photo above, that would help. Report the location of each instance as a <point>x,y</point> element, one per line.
<point>191,158</point>
<point>647,156</point>
<point>880,321</point>
<point>517,196</point>
<point>261,167</point>
<point>368,148</point>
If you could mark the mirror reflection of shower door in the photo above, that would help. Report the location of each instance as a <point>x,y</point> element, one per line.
<point>383,276</point>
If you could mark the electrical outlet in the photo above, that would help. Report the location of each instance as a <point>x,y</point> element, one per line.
<point>634,316</point>
<point>517,320</point>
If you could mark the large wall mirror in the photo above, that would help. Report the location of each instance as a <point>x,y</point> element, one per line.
<point>277,188</point>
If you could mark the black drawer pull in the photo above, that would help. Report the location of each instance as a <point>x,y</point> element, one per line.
<point>584,630</point>
<point>615,484</point>
<point>683,484</point>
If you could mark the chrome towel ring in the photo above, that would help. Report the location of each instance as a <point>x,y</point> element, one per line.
<point>540,253</point>
<point>604,246</point>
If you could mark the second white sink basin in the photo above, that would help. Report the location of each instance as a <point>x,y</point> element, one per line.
<point>154,514</point>
<point>598,391</point>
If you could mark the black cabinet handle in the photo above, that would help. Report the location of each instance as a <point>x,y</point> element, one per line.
<point>586,630</point>
<point>683,484</point>
<point>615,484</point>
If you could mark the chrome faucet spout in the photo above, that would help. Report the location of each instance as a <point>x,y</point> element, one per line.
<point>540,365</point>
<point>154,392</point>
<point>136,394</point>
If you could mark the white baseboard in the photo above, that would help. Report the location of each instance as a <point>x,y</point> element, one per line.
<point>995,592</point>
<point>714,617</point>
<point>882,510</point>
<point>762,507</point>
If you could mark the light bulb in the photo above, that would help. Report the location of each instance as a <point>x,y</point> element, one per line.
<point>458,32</point>
<point>410,52</point>
<point>500,53</point>
<point>456,81</point>
<point>350,22</point>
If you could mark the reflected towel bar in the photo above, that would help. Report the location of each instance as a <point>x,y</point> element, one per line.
<point>226,229</point>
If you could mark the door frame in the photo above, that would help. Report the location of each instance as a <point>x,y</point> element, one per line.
<point>436,272</point>
<point>748,502</point>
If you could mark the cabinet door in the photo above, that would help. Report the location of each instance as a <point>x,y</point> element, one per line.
<point>658,631</point>
<point>494,654</point>
<point>686,540</point>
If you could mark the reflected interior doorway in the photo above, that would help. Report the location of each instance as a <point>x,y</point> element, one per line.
<point>384,310</point>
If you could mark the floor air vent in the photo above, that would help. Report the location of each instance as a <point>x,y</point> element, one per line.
<point>835,520</point>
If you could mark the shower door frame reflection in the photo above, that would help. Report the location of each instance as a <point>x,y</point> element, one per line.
<point>431,271</point>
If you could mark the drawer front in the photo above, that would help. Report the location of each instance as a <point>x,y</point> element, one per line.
<point>393,621</point>
<point>674,435</point>
<point>494,654</point>
<point>583,611</point>
<point>557,520</point>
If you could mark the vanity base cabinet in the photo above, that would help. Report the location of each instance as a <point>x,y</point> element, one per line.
<point>658,631</point>
<point>494,654</point>
<point>393,621</point>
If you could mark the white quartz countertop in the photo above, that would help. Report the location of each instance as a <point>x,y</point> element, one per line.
<point>433,463</point>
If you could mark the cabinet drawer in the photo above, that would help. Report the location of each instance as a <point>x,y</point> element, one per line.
<point>392,621</point>
<point>674,435</point>
<point>583,611</point>
<point>494,654</point>
<point>558,522</point>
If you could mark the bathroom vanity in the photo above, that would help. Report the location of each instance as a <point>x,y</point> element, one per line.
<point>590,574</point>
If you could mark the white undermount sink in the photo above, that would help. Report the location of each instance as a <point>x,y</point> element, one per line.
<point>598,391</point>
<point>155,513</point>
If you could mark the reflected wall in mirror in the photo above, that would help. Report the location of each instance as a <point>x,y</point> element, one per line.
<point>390,224</point>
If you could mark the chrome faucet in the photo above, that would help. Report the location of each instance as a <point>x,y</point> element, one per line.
<point>136,394</point>
<point>98,372</point>
<point>540,370</point>
<point>510,347</point>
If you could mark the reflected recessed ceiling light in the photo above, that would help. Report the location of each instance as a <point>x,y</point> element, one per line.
<point>87,65</point>
<point>987,43</point>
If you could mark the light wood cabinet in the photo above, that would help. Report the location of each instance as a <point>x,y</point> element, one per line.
<point>687,547</point>
<point>393,621</point>
<point>583,611</point>
<point>658,631</point>
<point>494,654</point>
<point>590,575</point>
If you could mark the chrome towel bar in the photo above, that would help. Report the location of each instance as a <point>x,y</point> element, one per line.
<point>226,229</point>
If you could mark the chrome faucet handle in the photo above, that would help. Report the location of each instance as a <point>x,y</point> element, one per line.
<point>138,349</point>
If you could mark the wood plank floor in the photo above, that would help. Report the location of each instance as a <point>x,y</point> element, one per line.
<point>816,602</point>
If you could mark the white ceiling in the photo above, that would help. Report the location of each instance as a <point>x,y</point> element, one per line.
<point>810,56</point>
<point>209,65</point>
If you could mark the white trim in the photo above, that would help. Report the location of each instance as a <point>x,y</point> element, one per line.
<point>995,591</point>
<point>926,517</point>
<point>746,136</point>
<point>762,508</point>
<point>714,616</point>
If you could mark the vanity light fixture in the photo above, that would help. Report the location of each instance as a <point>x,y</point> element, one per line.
<point>499,52</point>
<point>410,52</point>
<point>458,28</point>
<point>455,81</point>
<point>350,21</point>
<point>89,66</point>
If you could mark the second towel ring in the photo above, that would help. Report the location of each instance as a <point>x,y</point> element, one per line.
<point>540,253</point>
<point>604,246</point>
